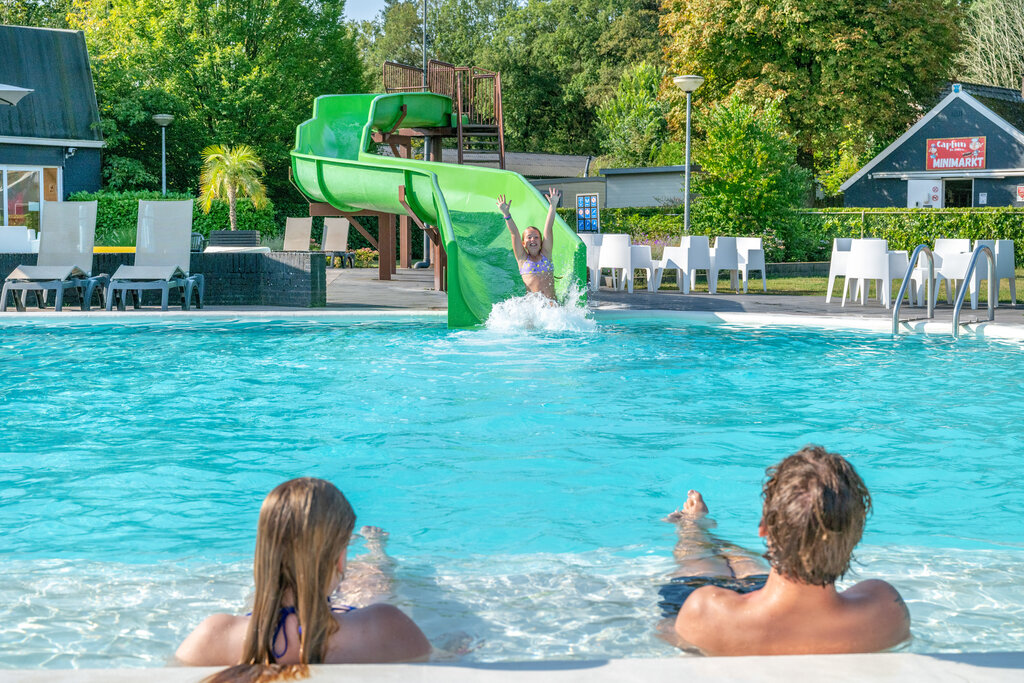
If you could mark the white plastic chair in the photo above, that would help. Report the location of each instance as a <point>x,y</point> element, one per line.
<point>592,240</point>
<point>869,260</point>
<point>616,255</point>
<point>751,255</point>
<point>692,254</point>
<point>951,259</point>
<point>1006,267</point>
<point>640,257</point>
<point>837,265</point>
<point>724,257</point>
<point>15,239</point>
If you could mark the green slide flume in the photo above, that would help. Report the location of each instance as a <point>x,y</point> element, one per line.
<point>334,162</point>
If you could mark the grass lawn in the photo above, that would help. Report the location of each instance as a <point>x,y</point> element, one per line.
<point>810,286</point>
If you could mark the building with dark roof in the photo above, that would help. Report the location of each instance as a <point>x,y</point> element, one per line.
<point>50,141</point>
<point>968,150</point>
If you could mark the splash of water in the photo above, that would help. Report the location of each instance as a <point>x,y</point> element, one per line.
<point>536,312</point>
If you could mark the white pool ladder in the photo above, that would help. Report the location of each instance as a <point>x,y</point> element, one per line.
<point>931,296</point>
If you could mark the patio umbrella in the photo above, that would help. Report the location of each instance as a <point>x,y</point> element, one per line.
<point>10,94</point>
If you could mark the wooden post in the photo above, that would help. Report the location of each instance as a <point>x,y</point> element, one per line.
<point>385,245</point>
<point>404,236</point>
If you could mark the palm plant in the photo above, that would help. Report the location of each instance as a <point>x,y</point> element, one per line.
<point>228,172</point>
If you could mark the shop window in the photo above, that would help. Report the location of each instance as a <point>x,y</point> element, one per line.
<point>959,193</point>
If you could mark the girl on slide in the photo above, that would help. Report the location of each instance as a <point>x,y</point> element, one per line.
<point>301,544</point>
<point>533,250</point>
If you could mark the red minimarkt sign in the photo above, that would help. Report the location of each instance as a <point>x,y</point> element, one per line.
<point>955,153</point>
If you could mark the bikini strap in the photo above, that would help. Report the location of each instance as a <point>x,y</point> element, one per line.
<point>285,613</point>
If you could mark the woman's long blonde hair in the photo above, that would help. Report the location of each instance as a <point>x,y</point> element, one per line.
<point>305,524</point>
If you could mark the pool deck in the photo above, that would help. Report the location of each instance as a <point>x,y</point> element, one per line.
<point>355,292</point>
<point>897,667</point>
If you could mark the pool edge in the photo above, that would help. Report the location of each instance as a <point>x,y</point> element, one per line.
<point>996,667</point>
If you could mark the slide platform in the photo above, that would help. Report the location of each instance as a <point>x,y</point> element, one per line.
<point>332,162</point>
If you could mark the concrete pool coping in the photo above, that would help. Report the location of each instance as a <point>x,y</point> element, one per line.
<point>875,324</point>
<point>897,667</point>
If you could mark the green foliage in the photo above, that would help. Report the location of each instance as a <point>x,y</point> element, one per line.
<point>41,13</point>
<point>903,228</point>
<point>559,59</point>
<point>226,72</point>
<point>813,232</point>
<point>633,123</point>
<point>117,214</point>
<point>832,64</point>
<point>749,182</point>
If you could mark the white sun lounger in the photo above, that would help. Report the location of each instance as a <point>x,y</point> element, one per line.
<point>67,234</point>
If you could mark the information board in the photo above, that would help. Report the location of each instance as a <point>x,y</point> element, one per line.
<point>588,217</point>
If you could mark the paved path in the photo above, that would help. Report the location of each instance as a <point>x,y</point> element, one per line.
<point>359,289</point>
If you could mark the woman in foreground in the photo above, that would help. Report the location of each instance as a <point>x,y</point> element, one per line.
<point>301,543</point>
<point>533,250</point>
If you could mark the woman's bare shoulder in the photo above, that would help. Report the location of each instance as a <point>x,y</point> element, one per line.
<point>215,642</point>
<point>377,633</point>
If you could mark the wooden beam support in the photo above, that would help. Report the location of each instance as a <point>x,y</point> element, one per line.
<point>362,230</point>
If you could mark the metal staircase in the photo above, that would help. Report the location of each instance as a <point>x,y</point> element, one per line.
<point>477,125</point>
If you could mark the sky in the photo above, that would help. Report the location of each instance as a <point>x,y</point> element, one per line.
<point>363,10</point>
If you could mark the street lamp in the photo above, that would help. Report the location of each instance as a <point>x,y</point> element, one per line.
<point>164,120</point>
<point>687,84</point>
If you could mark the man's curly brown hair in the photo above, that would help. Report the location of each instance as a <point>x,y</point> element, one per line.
<point>815,505</point>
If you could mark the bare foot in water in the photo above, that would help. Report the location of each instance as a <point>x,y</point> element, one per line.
<point>693,509</point>
<point>375,539</point>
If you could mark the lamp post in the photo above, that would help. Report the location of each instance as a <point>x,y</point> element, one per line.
<point>164,120</point>
<point>687,84</point>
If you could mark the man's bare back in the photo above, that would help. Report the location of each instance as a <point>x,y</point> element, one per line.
<point>787,616</point>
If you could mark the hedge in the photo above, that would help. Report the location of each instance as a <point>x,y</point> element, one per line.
<point>810,236</point>
<point>117,215</point>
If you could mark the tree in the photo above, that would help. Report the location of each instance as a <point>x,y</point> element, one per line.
<point>994,43</point>
<point>633,123</point>
<point>395,35</point>
<point>228,171</point>
<point>831,64</point>
<point>749,182</point>
<point>41,13</point>
<point>227,70</point>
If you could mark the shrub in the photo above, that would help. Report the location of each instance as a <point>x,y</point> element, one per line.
<point>117,215</point>
<point>811,237</point>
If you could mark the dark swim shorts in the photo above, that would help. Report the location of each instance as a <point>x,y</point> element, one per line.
<point>674,593</point>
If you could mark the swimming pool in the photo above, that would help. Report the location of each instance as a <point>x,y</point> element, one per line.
<point>521,475</point>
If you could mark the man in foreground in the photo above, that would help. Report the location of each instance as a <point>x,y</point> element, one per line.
<point>815,506</point>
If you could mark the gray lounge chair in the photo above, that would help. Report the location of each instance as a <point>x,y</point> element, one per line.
<point>67,234</point>
<point>297,232</point>
<point>336,240</point>
<point>162,255</point>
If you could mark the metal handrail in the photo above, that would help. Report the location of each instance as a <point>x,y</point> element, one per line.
<point>992,292</point>
<point>929,285</point>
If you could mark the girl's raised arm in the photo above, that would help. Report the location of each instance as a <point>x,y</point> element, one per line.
<point>553,195</point>
<point>517,240</point>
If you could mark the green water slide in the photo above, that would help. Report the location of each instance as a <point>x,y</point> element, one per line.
<point>334,162</point>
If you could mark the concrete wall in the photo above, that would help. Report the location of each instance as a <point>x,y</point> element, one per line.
<point>571,187</point>
<point>643,189</point>
<point>280,278</point>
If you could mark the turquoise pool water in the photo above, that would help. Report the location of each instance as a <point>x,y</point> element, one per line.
<point>521,475</point>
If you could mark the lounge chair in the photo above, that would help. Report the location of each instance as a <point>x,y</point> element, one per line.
<point>162,255</point>
<point>297,232</point>
<point>64,261</point>
<point>336,240</point>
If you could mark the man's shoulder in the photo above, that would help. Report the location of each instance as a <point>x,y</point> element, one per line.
<point>706,613</point>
